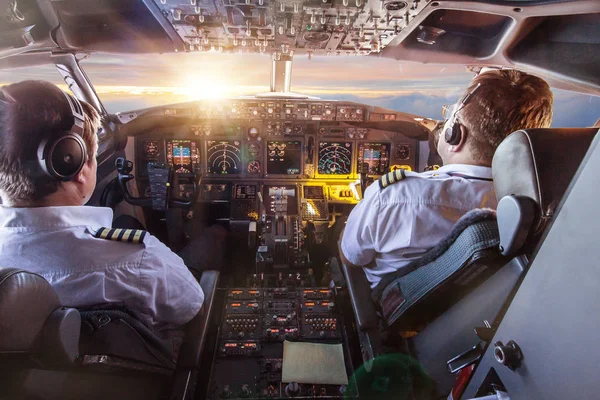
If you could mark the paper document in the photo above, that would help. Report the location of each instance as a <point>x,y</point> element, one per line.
<point>314,363</point>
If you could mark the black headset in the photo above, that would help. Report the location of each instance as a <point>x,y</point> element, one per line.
<point>62,156</point>
<point>453,134</point>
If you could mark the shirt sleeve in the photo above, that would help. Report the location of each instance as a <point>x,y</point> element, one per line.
<point>174,295</point>
<point>358,240</point>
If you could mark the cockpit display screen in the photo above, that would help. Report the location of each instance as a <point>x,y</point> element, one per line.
<point>182,155</point>
<point>224,157</point>
<point>284,157</point>
<point>374,155</point>
<point>335,158</point>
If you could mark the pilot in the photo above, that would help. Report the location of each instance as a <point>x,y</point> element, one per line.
<point>45,227</point>
<point>400,219</point>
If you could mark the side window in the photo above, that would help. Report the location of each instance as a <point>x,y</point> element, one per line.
<point>40,72</point>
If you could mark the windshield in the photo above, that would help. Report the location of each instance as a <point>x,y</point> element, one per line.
<point>139,81</point>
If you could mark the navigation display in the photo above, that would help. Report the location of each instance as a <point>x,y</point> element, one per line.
<point>335,158</point>
<point>224,157</point>
<point>182,155</point>
<point>284,157</point>
<point>376,156</point>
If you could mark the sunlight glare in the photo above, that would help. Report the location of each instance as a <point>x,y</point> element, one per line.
<point>196,87</point>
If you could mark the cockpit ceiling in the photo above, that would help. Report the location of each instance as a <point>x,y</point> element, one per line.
<point>556,39</point>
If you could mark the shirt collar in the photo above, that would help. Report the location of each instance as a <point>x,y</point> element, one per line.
<point>475,171</point>
<point>55,217</point>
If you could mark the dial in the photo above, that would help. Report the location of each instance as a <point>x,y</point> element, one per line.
<point>151,148</point>
<point>335,158</point>
<point>402,151</point>
<point>254,167</point>
<point>253,132</point>
<point>223,157</point>
<point>297,129</point>
<point>253,149</point>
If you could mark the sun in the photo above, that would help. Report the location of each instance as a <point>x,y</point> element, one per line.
<point>205,87</point>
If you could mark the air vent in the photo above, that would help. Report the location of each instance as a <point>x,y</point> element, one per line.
<point>395,5</point>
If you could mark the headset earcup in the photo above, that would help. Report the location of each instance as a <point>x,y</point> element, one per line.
<point>64,157</point>
<point>452,135</point>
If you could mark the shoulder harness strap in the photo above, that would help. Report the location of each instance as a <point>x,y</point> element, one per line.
<point>121,235</point>
<point>391,177</point>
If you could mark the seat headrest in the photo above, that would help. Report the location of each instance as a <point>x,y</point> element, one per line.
<point>26,301</point>
<point>540,164</point>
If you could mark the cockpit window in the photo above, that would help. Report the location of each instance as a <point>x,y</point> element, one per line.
<point>132,82</point>
<point>138,81</point>
<point>40,72</point>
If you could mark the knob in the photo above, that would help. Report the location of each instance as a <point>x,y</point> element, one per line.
<point>176,14</point>
<point>292,389</point>
<point>509,355</point>
<point>226,391</point>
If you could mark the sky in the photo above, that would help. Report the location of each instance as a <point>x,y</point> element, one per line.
<point>128,82</point>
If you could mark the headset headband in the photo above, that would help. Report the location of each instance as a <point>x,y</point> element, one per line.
<point>452,135</point>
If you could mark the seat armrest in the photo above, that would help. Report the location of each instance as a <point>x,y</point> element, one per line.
<point>195,336</point>
<point>360,297</point>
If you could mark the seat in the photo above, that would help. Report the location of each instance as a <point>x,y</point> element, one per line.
<point>43,355</point>
<point>531,173</point>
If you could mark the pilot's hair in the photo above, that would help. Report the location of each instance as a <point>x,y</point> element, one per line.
<point>506,101</point>
<point>29,112</point>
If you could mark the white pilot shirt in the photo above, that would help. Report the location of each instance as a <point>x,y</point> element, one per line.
<point>58,244</point>
<point>392,226</point>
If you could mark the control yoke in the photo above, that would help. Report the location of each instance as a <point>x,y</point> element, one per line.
<point>124,168</point>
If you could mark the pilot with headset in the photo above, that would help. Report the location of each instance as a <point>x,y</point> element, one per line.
<point>400,219</point>
<point>48,148</point>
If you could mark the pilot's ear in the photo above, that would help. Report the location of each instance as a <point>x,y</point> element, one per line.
<point>81,177</point>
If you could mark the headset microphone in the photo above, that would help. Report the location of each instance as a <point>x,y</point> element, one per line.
<point>63,155</point>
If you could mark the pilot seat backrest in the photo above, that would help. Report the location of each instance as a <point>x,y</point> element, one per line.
<point>33,323</point>
<point>532,170</point>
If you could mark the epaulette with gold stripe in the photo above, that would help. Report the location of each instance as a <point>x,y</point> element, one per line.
<point>391,177</point>
<point>121,235</point>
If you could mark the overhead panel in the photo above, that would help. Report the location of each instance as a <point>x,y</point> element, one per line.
<point>313,27</point>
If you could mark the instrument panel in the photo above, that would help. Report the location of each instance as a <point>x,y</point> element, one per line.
<point>267,142</point>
